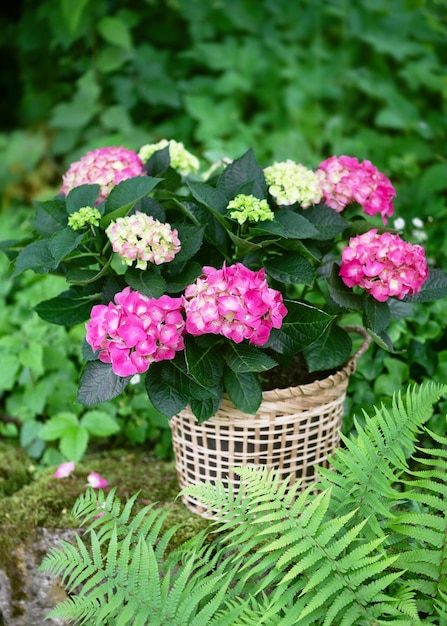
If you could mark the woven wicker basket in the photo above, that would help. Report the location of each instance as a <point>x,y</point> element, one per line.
<point>294,429</point>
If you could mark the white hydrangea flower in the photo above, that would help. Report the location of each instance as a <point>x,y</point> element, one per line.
<point>291,182</point>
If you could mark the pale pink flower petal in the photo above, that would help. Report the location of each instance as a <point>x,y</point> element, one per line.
<point>141,239</point>
<point>64,470</point>
<point>96,481</point>
<point>105,167</point>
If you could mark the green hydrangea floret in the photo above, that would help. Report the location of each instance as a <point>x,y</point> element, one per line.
<point>249,209</point>
<point>181,159</point>
<point>85,216</point>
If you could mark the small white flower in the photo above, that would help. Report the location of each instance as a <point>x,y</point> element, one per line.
<point>399,223</point>
<point>417,222</point>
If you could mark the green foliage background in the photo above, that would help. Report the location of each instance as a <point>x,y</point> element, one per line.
<point>300,80</point>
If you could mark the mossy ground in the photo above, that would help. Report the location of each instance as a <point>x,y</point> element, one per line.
<point>35,499</point>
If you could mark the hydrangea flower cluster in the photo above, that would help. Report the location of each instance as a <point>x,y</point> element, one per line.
<point>384,265</point>
<point>290,182</point>
<point>235,302</point>
<point>85,216</point>
<point>105,167</point>
<point>345,180</point>
<point>142,239</point>
<point>136,331</point>
<point>249,209</point>
<point>181,159</point>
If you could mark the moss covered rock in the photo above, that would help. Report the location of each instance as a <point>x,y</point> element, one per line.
<point>35,511</point>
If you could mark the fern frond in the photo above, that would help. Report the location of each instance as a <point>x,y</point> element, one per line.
<point>324,555</point>
<point>373,460</point>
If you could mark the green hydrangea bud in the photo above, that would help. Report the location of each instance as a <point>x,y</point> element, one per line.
<point>249,209</point>
<point>83,217</point>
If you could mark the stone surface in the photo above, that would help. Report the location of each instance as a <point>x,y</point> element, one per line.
<point>27,596</point>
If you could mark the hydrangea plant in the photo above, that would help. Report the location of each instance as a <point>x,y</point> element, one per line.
<point>205,282</point>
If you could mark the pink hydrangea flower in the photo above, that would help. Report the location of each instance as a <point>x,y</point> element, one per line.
<point>105,167</point>
<point>97,481</point>
<point>136,330</point>
<point>64,470</point>
<point>345,180</point>
<point>234,302</point>
<point>384,265</point>
<point>142,239</point>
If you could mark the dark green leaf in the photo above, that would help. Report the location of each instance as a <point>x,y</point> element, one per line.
<point>148,282</point>
<point>179,281</point>
<point>51,216</point>
<point>99,383</point>
<point>150,206</point>
<point>67,309</point>
<point>376,314</point>
<point>125,195</point>
<point>212,198</point>
<point>35,256</point>
<point>302,325</point>
<point>382,339</point>
<point>244,390</point>
<point>80,276</point>
<point>158,163</point>
<point>243,175</point>
<point>434,288</point>
<point>87,352</point>
<point>163,391</point>
<point>290,268</point>
<point>82,196</point>
<point>191,238</point>
<point>342,295</point>
<point>328,222</point>
<point>329,351</point>
<point>62,243</point>
<point>287,224</point>
<point>204,409</point>
<point>175,375</point>
<point>205,365</point>
<point>243,357</point>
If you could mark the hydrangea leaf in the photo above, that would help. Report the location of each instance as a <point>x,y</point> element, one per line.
<point>125,195</point>
<point>302,325</point>
<point>62,243</point>
<point>243,175</point>
<point>99,383</point>
<point>328,222</point>
<point>290,268</point>
<point>246,358</point>
<point>434,288</point>
<point>36,256</point>
<point>329,351</point>
<point>82,196</point>
<point>244,390</point>
<point>205,365</point>
<point>289,225</point>
<point>68,309</point>
<point>51,216</point>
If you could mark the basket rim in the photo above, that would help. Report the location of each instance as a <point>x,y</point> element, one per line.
<point>330,381</point>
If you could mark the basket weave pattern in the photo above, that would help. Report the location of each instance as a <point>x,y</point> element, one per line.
<point>294,429</point>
